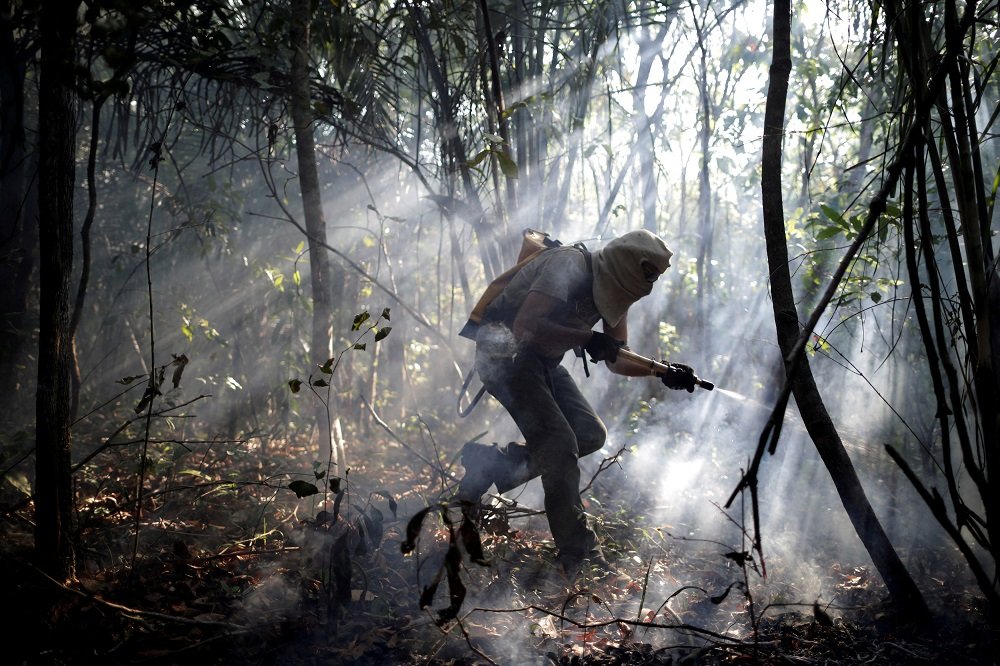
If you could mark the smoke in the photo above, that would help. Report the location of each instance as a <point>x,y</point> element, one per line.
<point>231,292</point>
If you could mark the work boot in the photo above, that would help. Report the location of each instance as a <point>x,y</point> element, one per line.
<point>480,462</point>
<point>514,468</point>
<point>591,567</point>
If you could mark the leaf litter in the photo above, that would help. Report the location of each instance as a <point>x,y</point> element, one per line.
<point>425,584</point>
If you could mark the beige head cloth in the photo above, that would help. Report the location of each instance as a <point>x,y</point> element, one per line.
<point>619,279</point>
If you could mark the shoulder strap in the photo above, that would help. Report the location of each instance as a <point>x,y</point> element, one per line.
<point>586,255</point>
<point>463,412</point>
<point>590,271</point>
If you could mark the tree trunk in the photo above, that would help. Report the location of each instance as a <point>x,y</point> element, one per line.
<point>580,97</point>
<point>312,203</point>
<point>703,258</point>
<point>85,253</point>
<point>903,591</point>
<point>57,144</point>
<point>498,107</point>
<point>19,222</point>
<point>650,45</point>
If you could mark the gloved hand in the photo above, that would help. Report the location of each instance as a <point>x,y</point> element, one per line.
<point>603,347</point>
<point>678,376</point>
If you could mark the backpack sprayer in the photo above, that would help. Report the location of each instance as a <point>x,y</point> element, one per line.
<point>658,367</point>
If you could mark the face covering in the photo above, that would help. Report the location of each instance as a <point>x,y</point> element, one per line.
<point>624,272</point>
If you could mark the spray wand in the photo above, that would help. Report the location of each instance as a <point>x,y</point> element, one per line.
<point>659,368</point>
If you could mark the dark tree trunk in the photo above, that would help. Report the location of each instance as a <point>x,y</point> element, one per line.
<point>902,589</point>
<point>312,202</point>
<point>85,254</point>
<point>57,144</point>
<point>19,221</point>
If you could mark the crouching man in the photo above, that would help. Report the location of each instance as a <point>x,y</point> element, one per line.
<point>547,309</point>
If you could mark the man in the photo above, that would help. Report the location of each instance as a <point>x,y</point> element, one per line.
<point>548,308</point>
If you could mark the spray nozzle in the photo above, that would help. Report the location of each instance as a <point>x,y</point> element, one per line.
<point>657,367</point>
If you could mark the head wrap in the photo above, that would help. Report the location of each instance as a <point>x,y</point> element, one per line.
<point>619,279</point>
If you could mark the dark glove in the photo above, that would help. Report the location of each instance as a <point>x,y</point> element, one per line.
<point>603,347</point>
<point>678,376</point>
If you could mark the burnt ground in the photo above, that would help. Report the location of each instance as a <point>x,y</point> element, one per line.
<point>233,572</point>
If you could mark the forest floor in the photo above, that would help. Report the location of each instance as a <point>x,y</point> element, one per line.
<point>232,571</point>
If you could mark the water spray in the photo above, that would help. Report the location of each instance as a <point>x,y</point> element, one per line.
<point>659,368</point>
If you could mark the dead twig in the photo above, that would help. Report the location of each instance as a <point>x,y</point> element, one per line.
<point>726,640</point>
<point>607,463</point>
<point>138,613</point>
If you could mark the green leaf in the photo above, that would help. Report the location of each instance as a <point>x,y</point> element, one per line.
<point>360,319</point>
<point>125,381</point>
<point>480,156</point>
<point>876,297</point>
<point>327,368</point>
<point>834,216</point>
<point>828,232</point>
<point>361,346</point>
<point>382,332</point>
<point>295,385</point>
<point>385,314</point>
<point>196,473</point>
<point>321,108</point>
<point>510,110</point>
<point>303,488</point>
<point>320,382</point>
<point>507,165</point>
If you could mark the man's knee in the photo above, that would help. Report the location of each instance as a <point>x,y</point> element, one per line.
<point>555,455</point>
<point>592,438</point>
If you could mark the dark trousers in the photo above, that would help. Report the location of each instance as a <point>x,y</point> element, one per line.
<point>559,426</point>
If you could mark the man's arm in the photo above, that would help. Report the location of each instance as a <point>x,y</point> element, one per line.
<point>624,366</point>
<point>534,323</point>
